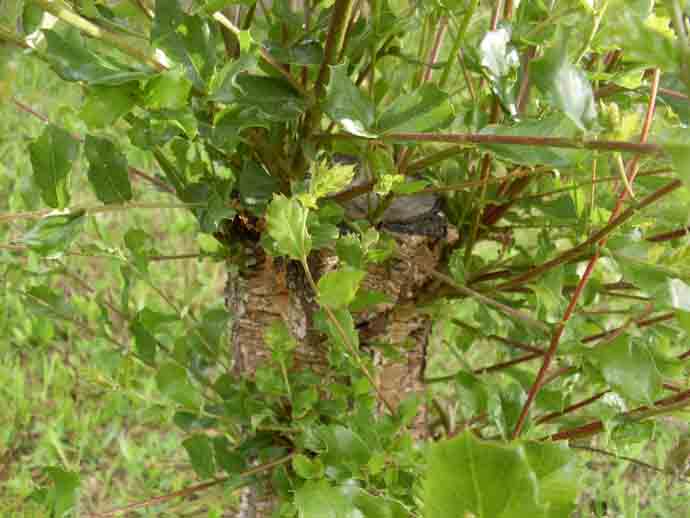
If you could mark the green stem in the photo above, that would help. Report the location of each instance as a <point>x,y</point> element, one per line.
<point>457,43</point>
<point>346,340</point>
<point>68,16</point>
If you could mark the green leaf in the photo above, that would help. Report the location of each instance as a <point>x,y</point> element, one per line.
<point>273,97</point>
<point>200,451</point>
<point>629,367</point>
<point>450,492</point>
<point>566,85</point>
<point>256,186</point>
<point>72,61</point>
<point>286,222</point>
<point>188,40</point>
<point>144,341</point>
<point>53,233</point>
<point>232,462</point>
<point>52,155</point>
<point>556,468</point>
<point>426,109</point>
<point>307,468</point>
<point>550,126</point>
<point>173,382</point>
<point>47,302</point>
<point>168,90</point>
<point>338,288</point>
<point>344,447</point>
<point>346,104</point>
<point>108,172</point>
<point>326,179</point>
<point>63,496</point>
<point>320,500</point>
<point>346,324</point>
<point>676,142</point>
<point>106,104</point>
<point>307,52</point>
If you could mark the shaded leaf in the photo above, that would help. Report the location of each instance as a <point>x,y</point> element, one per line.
<point>108,173</point>
<point>52,156</point>
<point>425,109</point>
<point>200,451</point>
<point>187,40</point>
<point>256,186</point>
<point>72,61</point>
<point>346,104</point>
<point>551,126</point>
<point>54,233</point>
<point>169,90</point>
<point>106,104</point>
<point>173,382</point>
<point>565,84</point>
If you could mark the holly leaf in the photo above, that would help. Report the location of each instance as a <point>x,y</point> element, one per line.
<point>108,172</point>
<point>425,109</point>
<point>53,233</point>
<point>168,90</point>
<point>52,155</point>
<point>187,40</point>
<point>338,288</point>
<point>449,492</point>
<point>629,367</point>
<point>200,451</point>
<point>565,84</point>
<point>106,104</point>
<point>346,104</point>
<point>325,180</point>
<point>73,61</point>
<point>286,221</point>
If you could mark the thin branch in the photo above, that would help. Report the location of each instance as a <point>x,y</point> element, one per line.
<point>516,140</point>
<point>628,459</point>
<point>589,269</point>
<point>468,292</point>
<point>191,490</point>
<point>93,30</point>
<point>93,209</point>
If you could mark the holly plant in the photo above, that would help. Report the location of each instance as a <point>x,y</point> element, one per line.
<point>454,237</point>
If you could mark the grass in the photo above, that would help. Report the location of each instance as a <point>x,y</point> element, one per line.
<point>69,400</point>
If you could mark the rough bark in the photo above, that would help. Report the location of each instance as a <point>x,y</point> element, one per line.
<point>276,289</point>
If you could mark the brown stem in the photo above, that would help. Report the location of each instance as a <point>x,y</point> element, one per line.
<point>191,490</point>
<point>558,332</point>
<point>516,140</point>
<point>572,408</point>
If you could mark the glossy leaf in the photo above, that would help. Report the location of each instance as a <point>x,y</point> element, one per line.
<point>565,84</point>
<point>187,40</point>
<point>550,126</point>
<point>256,186</point>
<point>108,172</point>
<point>426,109</point>
<point>348,105</point>
<point>73,61</point>
<point>501,61</point>
<point>52,157</point>
<point>286,222</point>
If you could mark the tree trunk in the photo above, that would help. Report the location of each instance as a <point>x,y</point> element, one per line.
<point>276,289</point>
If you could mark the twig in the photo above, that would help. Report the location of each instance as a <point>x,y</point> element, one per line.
<point>188,491</point>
